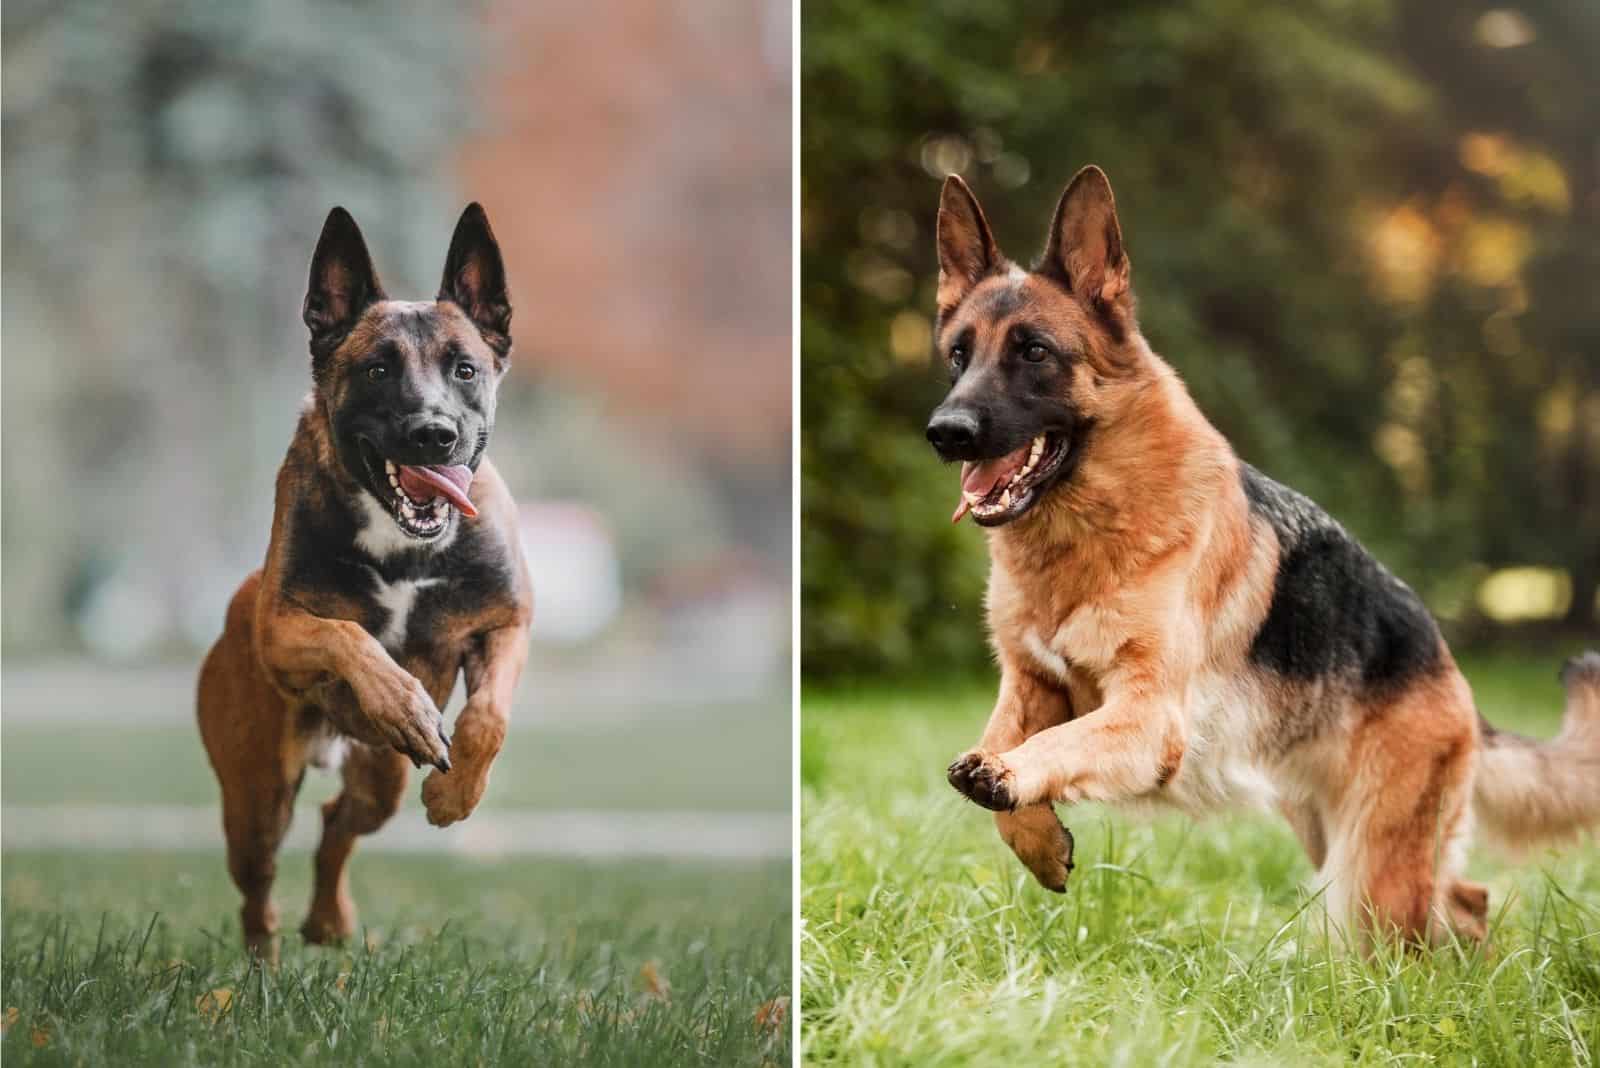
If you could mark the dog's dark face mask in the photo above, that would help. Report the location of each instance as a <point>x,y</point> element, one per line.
<point>409,387</point>
<point>1020,345</point>
<point>1008,417</point>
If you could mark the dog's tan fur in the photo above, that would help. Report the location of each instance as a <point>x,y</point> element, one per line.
<point>298,678</point>
<point>1123,607</point>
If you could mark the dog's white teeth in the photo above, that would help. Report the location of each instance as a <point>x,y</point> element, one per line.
<point>388,465</point>
<point>1033,459</point>
<point>1005,498</point>
<point>972,498</point>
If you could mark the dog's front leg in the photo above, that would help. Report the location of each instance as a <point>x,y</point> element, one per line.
<point>1129,746</point>
<point>302,650</point>
<point>1026,705</point>
<point>492,668</point>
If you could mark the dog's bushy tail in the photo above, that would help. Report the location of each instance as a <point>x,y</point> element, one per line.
<point>1530,792</point>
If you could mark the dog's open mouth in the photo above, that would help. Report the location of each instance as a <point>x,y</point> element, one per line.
<point>999,490</point>
<point>420,497</point>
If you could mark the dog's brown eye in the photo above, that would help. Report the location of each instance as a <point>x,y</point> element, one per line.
<point>1035,353</point>
<point>376,372</point>
<point>466,372</point>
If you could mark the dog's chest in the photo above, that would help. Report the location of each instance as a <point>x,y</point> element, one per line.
<point>1088,638</point>
<point>1222,712</point>
<point>396,604</point>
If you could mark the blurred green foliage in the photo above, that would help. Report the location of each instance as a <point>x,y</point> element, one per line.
<point>1367,234</point>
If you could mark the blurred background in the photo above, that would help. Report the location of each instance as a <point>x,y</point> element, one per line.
<point>1366,232</point>
<point>167,169</point>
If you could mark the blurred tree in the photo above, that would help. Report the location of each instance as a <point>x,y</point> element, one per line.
<point>1513,189</point>
<point>167,168</point>
<point>1317,246</point>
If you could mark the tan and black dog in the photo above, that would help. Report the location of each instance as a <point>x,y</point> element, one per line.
<point>394,564</point>
<point>1173,626</point>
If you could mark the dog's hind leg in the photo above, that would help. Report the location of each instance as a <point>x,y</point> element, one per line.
<point>248,738</point>
<point>1306,821</point>
<point>374,780</point>
<point>1413,763</point>
<point>1468,905</point>
<point>255,819</point>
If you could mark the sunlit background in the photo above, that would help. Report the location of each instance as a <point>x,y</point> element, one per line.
<point>1367,234</point>
<point>167,169</point>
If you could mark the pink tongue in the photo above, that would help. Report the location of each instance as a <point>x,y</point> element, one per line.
<point>451,483</point>
<point>982,477</point>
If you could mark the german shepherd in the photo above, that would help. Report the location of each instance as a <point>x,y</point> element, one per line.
<point>1174,626</point>
<point>394,563</point>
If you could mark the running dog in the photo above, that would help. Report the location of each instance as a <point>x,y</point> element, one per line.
<point>394,563</point>
<point>1174,626</point>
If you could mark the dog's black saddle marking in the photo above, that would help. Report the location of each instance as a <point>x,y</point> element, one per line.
<point>1336,612</point>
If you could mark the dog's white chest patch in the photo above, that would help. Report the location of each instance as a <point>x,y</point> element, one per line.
<point>381,537</point>
<point>398,599</point>
<point>1053,663</point>
<point>328,750</point>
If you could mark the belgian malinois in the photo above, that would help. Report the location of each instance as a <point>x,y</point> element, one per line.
<point>1174,626</point>
<point>394,563</point>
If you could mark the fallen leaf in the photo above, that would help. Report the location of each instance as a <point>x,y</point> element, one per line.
<point>771,1014</point>
<point>8,1019</point>
<point>340,980</point>
<point>214,1003</point>
<point>655,984</point>
<point>40,1036</point>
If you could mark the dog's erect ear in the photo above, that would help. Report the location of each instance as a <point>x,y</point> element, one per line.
<point>967,251</point>
<point>1085,248</point>
<point>475,278</point>
<point>342,285</point>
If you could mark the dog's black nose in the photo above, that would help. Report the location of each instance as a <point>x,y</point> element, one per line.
<point>954,434</point>
<point>431,436</point>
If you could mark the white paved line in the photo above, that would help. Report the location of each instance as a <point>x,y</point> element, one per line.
<point>588,834</point>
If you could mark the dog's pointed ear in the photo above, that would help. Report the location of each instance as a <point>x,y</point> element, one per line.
<point>475,278</point>
<point>1085,247</point>
<point>967,252</point>
<point>342,285</point>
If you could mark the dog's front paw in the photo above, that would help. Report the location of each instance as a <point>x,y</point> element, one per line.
<point>1041,841</point>
<point>408,719</point>
<point>984,779</point>
<point>452,797</point>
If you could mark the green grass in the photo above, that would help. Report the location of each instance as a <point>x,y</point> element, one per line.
<point>1177,943</point>
<point>112,959</point>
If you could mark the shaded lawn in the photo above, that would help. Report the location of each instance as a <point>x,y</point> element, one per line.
<point>1179,943</point>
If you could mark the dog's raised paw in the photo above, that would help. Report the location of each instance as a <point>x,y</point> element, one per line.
<point>1054,870</point>
<point>450,798</point>
<point>983,779</point>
